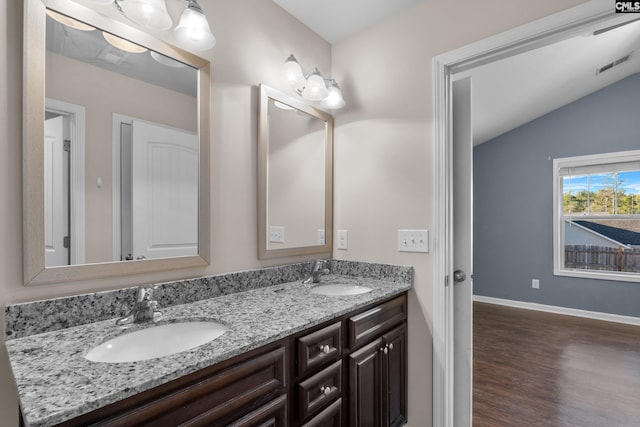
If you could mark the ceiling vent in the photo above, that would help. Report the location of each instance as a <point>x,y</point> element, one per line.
<point>613,64</point>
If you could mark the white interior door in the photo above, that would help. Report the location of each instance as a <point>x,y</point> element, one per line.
<point>164,191</point>
<point>56,193</point>
<point>462,253</point>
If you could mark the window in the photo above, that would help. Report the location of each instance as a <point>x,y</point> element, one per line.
<point>597,216</point>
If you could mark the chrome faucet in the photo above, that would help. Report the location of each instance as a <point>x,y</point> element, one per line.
<point>144,308</point>
<point>319,268</point>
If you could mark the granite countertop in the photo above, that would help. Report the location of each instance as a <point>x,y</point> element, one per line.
<point>56,383</point>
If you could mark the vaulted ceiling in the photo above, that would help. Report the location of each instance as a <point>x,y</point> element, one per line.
<point>513,91</point>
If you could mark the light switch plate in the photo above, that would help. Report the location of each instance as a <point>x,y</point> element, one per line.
<point>413,241</point>
<point>276,234</point>
<point>343,240</point>
<point>321,236</point>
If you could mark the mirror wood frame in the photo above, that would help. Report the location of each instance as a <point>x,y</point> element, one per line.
<point>265,94</point>
<point>35,271</point>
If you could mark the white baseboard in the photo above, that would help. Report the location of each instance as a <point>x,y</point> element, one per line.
<point>629,320</point>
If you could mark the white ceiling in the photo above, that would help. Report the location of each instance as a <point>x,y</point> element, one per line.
<point>510,92</point>
<point>335,20</point>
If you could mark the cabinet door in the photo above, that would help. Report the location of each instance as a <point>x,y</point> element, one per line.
<point>365,386</point>
<point>395,376</point>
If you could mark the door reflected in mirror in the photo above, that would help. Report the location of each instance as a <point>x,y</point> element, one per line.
<point>295,172</point>
<point>121,149</point>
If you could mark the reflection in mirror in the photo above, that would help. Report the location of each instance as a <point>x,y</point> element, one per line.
<point>123,171</point>
<point>296,177</point>
<point>152,178</point>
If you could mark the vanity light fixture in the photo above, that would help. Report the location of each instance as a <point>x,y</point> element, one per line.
<point>122,44</point>
<point>69,22</point>
<point>151,14</point>
<point>192,31</point>
<point>313,87</point>
<point>334,99</point>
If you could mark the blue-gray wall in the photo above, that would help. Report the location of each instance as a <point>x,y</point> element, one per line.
<point>513,199</point>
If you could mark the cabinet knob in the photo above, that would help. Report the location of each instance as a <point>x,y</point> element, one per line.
<point>325,349</point>
<point>326,390</point>
<point>390,347</point>
<point>385,349</point>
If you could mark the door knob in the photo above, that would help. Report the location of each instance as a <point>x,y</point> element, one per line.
<point>459,276</point>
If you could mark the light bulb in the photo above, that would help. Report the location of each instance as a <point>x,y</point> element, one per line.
<point>149,13</point>
<point>193,29</point>
<point>292,72</point>
<point>315,89</point>
<point>334,99</point>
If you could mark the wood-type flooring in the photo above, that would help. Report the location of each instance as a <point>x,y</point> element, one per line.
<point>540,369</point>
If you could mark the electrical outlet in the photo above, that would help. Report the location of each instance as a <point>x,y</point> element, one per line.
<point>321,236</point>
<point>343,241</point>
<point>535,283</point>
<point>276,234</point>
<point>413,241</point>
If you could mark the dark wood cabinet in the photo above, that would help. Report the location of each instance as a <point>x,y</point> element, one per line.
<point>378,372</point>
<point>254,383</point>
<point>330,417</point>
<point>365,386</point>
<point>350,371</point>
<point>394,376</point>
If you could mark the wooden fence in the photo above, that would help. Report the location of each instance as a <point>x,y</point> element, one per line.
<point>589,257</point>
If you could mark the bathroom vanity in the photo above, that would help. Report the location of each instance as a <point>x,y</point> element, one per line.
<point>289,357</point>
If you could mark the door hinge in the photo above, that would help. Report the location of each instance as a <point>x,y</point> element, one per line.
<point>446,280</point>
<point>66,242</point>
<point>67,145</point>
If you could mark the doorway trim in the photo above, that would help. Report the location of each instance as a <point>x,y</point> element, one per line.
<point>538,33</point>
<point>76,115</point>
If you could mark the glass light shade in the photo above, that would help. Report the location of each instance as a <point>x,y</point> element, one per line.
<point>292,72</point>
<point>165,60</point>
<point>334,99</point>
<point>123,44</point>
<point>315,89</point>
<point>149,13</point>
<point>69,22</point>
<point>193,30</point>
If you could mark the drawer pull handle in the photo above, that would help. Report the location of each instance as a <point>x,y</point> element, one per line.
<point>325,349</point>
<point>326,391</point>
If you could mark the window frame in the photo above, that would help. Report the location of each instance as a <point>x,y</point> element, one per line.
<point>559,220</point>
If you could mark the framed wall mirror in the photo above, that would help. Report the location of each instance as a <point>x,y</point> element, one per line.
<point>116,148</point>
<point>295,172</point>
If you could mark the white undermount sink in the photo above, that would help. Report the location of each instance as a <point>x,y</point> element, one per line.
<point>340,289</point>
<point>156,341</point>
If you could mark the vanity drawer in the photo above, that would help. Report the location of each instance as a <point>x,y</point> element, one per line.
<point>364,327</point>
<point>330,417</point>
<point>319,390</point>
<point>319,348</point>
<point>206,398</point>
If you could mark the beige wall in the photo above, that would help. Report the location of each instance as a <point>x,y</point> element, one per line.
<point>383,144</point>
